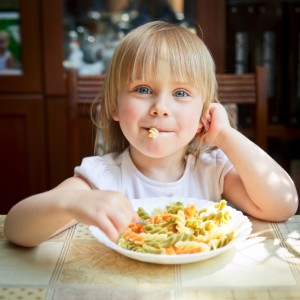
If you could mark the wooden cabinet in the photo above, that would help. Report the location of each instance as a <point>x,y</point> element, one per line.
<point>211,19</point>
<point>23,147</point>
<point>34,150</point>
<point>23,155</point>
<point>53,47</point>
<point>267,33</point>
<point>33,130</point>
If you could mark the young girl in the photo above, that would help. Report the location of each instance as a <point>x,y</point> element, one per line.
<point>161,79</point>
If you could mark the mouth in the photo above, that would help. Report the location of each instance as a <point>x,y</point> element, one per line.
<point>153,133</point>
<point>156,131</point>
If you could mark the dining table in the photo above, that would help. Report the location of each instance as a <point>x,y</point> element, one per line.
<point>74,265</point>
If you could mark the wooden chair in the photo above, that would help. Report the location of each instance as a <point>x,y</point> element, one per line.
<point>82,90</point>
<point>248,89</point>
<point>233,88</point>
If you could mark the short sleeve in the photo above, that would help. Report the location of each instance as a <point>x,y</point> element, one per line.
<point>100,172</point>
<point>211,169</point>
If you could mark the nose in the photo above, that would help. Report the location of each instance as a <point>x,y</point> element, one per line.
<point>160,107</point>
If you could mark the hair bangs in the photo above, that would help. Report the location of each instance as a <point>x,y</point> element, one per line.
<point>177,49</point>
<point>146,61</point>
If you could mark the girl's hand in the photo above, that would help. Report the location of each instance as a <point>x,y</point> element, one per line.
<point>108,210</point>
<point>214,122</point>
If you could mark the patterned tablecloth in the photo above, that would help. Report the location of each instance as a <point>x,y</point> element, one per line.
<point>73,265</point>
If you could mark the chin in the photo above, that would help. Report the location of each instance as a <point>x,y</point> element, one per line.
<point>156,151</point>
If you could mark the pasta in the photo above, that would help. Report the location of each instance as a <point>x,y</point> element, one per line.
<point>153,133</point>
<point>179,229</point>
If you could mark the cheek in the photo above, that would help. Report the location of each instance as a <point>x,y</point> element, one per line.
<point>126,109</point>
<point>128,113</point>
<point>191,119</point>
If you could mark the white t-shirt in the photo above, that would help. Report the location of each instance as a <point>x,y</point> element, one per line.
<point>117,172</point>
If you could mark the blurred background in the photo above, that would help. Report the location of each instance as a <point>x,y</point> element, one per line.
<point>40,40</point>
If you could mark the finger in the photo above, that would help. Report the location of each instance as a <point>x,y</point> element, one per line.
<point>105,224</point>
<point>121,201</point>
<point>121,220</point>
<point>127,208</point>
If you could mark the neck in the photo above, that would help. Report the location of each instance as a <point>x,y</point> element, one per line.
<point>165,169</point>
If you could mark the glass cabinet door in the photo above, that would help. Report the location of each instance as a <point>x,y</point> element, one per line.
<point>10,40</point>
<point>20,61</point>
<point>83,34</point>
<point>92,29</point>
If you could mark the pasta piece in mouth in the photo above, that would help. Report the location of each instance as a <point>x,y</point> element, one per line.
<point>153,133</point>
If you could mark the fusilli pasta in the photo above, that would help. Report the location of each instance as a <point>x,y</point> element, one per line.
<point>179,230</point>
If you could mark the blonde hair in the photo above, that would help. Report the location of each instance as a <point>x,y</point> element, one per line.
<point>136,57</point>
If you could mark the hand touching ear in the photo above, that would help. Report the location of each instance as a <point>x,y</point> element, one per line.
<point>214,121</point>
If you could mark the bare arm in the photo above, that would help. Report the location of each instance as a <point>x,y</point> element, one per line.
<point>257,185</point>
<point>39,217</point>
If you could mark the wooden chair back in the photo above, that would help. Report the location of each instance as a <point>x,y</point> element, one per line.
<point>248,89</point>
<point>233,88</point>
<point>82,90</point>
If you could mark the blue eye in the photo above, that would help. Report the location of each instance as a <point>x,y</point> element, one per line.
<point>180,93</point>
<point>143,90</point>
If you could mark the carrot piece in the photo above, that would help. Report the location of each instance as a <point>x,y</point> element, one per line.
<point>189,251</point>
<point>156,219</point>
<point>189,211</point>
<point>170,250</point>
<point>137,228</point>
<point>132,236</point>
<point>166,217</point>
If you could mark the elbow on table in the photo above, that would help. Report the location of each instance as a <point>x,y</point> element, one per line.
<point>15,238</point>
<point>287,209</point>
<point>21,243</point>
<point>293,203</point>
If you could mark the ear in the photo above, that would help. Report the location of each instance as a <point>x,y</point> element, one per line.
<point>115,115</point>
<point>200,127</point>
<point>202,121</point>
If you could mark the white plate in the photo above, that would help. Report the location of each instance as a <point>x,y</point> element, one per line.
<point>241,225</point>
